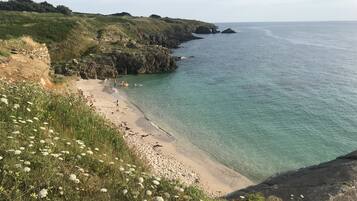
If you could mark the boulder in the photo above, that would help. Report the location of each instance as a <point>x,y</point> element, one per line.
<point>228,31</point>
<point>335,180</point>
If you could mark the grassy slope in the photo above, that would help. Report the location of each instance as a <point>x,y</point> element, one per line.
<point>59,136</point>
<point>69,37</point>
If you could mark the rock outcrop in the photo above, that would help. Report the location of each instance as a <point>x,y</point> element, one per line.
<point>229,31</point>
<point>206,30</point>
<point>335,180</point>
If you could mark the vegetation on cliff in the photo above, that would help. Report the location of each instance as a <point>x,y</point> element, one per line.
<point>55,147</point>
<point>99,46</point>
<point>30,6</point>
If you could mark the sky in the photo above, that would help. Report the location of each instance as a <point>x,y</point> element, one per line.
<point>224,10</point>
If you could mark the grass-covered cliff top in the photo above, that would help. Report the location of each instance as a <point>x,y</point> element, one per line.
<point>71,36</point>
<point>54,147</point>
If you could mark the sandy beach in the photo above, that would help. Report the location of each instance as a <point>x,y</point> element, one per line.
<point>167,156</point>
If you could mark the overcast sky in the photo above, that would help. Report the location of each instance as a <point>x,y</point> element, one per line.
<point>224,10</point>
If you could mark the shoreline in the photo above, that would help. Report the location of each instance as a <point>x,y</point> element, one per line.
<point>166,156</point>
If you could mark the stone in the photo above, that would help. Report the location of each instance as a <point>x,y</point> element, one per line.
<point>335,180</point>
<point>228,31</point>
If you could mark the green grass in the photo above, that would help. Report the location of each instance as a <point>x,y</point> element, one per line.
<point>46,138</point>
<point>69,37</point>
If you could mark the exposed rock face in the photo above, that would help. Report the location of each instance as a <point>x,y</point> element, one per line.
<point>228,31</point>
<point>206,30</point>
<point>331,181</point>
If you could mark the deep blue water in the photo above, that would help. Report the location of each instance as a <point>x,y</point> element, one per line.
<point>273,97</point>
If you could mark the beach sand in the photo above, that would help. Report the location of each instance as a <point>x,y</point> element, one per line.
<point>167,156</point>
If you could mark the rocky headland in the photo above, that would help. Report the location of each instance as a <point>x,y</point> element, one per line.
<point>335,180</point>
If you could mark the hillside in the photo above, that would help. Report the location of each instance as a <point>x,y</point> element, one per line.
<point>99,46</point>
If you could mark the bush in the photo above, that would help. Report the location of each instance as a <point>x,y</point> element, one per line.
<point>29,5</point>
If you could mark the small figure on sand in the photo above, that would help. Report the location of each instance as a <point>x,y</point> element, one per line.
<point>124,84</point>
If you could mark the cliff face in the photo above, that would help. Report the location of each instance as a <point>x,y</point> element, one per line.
<point>331,181</point>
<point>26,60</point>
<point>98,46</point>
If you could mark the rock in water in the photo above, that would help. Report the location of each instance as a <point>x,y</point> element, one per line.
<point>335,180</point>
<point>228,31</point>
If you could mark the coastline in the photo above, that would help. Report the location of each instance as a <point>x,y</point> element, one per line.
<point>165,155</point>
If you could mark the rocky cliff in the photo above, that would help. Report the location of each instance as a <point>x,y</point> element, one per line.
<point>99,46</point>
<point>331,181</point>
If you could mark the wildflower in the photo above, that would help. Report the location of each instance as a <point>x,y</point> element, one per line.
<point>34,130</point>
<point>73,178</point>
<point>302,196</point>
<point>4,100</point>
<point>103,190</point>
<point>42,141</point>
<point>125,191</point>
<point>158,198</point>
<point>90,152</point>
<point>16,106</point>
<point>148,193</point>
<point>96,149</point>
<point>17,152</point>
<point>121,169</point>
<point>22,148</point>
<point>18,165</point>
<point>34,195</point>
<point>35,118</point>
<point>42,128</point>
<point>28,109</point>
<point>167,195</point>
<point>51,131</point>
<point>30,121</point>
<point>56,138</point>
<point>1,158</point>
<point>156,182</point>
<point>29,103</point>
<point>45,123</point>
<point>111,163</point>
<point>141,180</point>
<point>43,193</point>
<point>27,163</point>
<point>27,169</point>
<point>101,161</point>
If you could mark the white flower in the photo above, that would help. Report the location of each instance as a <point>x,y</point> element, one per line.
<point>125,192</point>
<point>51,131</point>
<point>22,148</point>
<point>158,198</point>
<point>103,190</point>
<point>16,106</point>
<point>121,169</point>
<point>36,118</point>
<point>156,182</point>
<point>42,128</point>
<point>302,196</point>
<point>4,100</point>
<point>111,163</point>
<point>29,103</point>
<point>17,152</point>
<point>72,177</point>
<point>28,109</point>
<point>56,138</point>
<point>42,141</point>
<point>1,158</point>
<point>90,152</point>
<point>27,169</point>
<point>141,180</point>
<point>96,149</point>
<point>148,192</point>
<point>27,163</point>
<point>16,132</point>
<point>43,193</point>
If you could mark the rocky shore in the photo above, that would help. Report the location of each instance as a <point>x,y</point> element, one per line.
<point>167,156</point>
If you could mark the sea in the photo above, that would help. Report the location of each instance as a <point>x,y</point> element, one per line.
<point>271,98</point>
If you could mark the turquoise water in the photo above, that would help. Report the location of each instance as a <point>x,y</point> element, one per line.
<point>271,98</point>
